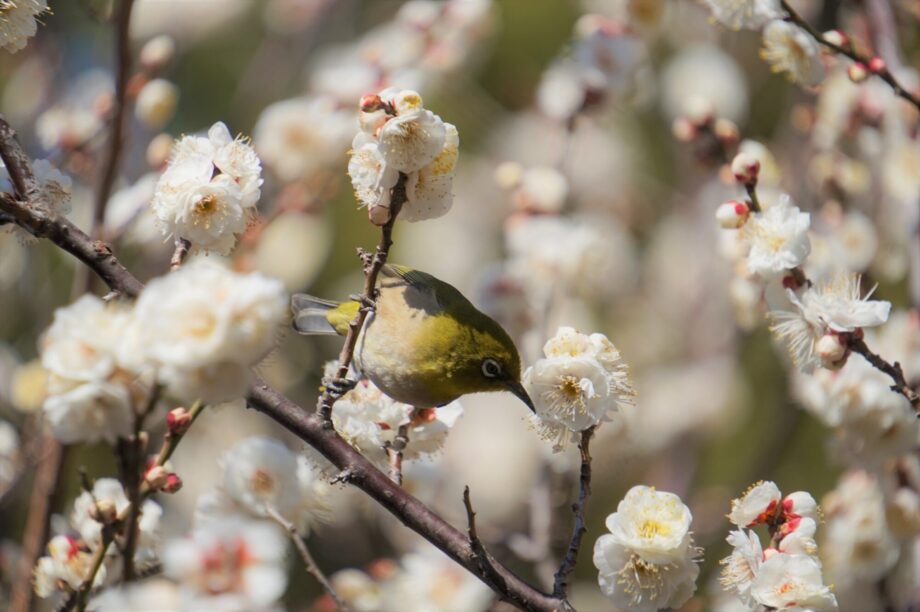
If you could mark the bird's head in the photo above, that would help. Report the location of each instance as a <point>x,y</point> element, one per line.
<point>487,360</point>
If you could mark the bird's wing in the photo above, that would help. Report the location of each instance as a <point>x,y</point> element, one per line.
<point>445,295</point>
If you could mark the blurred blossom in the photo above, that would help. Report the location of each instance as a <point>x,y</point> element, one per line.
<point>370,421</point>
<point>13,257</point>
<point>89,387</point>
<point>286,17</point>
<point>769,174</point>
<point>150,595</point>
<point>78,117</point>
<point>188,21</point>
<point>747,14</point>
<point>293,248</point>
<point>228,565</point>
<point>10,459</point>
<point>67,564</point>
<point>427,579</point>
<point>27,87</point>
<point>208,193</point>
<point>201,328</point>
<point>19,22</point>
<point>156,103</point>
<point>834,111</point>
<point>582,382</point>
<point>790,49</point>
<point>297,137</point>
<point>540,189</point>
<point>704,75</point>
<point>648,561</point>
<point>129,216</point>
<point>603,62</point>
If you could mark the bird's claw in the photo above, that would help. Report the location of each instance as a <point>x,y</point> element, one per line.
<point>339,386</point>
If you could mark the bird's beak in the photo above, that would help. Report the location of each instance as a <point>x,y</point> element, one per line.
<point>518,389</point>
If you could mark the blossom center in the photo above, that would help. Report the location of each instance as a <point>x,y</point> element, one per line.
<point>262,482</point>
<point>570,387</point>
<point>651,528</point>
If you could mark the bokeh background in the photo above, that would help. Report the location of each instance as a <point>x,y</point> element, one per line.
<point>714,411</point>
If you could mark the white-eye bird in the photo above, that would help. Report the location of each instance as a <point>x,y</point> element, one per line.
<point>423,343</point>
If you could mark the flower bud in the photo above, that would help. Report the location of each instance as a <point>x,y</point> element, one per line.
<point>178,420</point>
<point>858,72</point>
<point>877,65</point>
<point>798,536</point>
<point>732,215</point>
<point>832,351</point>
<point>902,513</point>
<point>157,53</point>
<point>379,215</point>
<point>156,103</point>
<point>370,103</point>
<point>684,130</point>
<point>746,168</point>
<point>103,511</point>
<point>173,484</point>
<point>726,131</point>
<point>156,477</point>
<point>159,150</point>
<point>700,110</point>
<point>508,174</point>
<point>838,38</point>
<point>800,504</point>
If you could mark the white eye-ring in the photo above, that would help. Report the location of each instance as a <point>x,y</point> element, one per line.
<point>491,368</point>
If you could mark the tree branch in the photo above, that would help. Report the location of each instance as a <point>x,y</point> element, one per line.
<point>858,345</point>
<point>310,428</point>
<point>561,586</point>
<point>395,452</point>
<point>372,266</point>
<point>479,551</point>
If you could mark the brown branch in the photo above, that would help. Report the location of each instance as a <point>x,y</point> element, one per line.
<point>82,595</point>
<point>119,118</point>
<point>372,266</point>
<point>179,255</point>
<point>307,558</point>
<point>310,428</point>
<point>884,73</point>
<point>480,555</point>
<point>858,345</point>
<point>36,529</point>
<point>395,452</point>
<point>561,586</point>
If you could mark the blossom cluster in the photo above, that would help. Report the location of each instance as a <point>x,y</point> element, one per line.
<point>648,561</point>
<point>196,332</point>
<point>788,573</point>
<point>19,22</point>
<point>208,193</point>
<point>581,383</point>
<point>400,137</point>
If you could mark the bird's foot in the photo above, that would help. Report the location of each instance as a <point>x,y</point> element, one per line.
<point>339,386</point>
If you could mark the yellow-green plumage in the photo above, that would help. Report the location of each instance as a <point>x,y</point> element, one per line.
<point>424,343</point>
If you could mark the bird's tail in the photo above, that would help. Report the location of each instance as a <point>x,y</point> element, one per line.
<point>310,315</point>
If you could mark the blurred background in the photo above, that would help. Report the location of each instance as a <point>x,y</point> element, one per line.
<point>628,245</point>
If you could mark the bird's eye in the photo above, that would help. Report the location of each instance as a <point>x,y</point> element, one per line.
<point>491,368</point>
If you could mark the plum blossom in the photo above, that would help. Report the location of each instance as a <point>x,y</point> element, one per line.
<point>790,49</point>
<point>744,14</point>
<point>66,566</point>
<point>778,239</point>
<point>792,581</point>
<point>647,562</point>
<point>18,22</point>
<point>756,505</point>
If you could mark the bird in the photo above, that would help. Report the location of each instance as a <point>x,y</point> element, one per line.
<point>423,343</point>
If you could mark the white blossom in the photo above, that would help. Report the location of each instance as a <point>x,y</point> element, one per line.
<point>200,328</point>
<point>428,580</point>
<point>67,565</point>
<point>18,22</point>
<point>792,581</point>
<point>778,237</point>
<point>747,14</point>
<point>228,565</point>
<point>756,505</point>
<point>413,137</point>
<point>833,307</point>
<point>740,568</point>
<point>648,561</point>
<point>209,190</point>
<point>790,49</point>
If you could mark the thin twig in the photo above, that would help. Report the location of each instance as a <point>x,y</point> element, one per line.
<point>179,255</point>
<point>119,117</point>
<point>561,586</point>
<point>81,600</point>
<point>884,73</point>
<point>372,266</point>
<point>395,452</point>
<point>752,195</point>
<point>479,554</point>
<point>858,345</point>
<point>305,555</point>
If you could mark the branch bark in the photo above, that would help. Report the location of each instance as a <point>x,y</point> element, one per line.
<point>561,586</point>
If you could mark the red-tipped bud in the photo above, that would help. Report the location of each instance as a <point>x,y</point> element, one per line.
<point>746,169</point>
<point>173,483</point>
<point>726,131</point>
<point>103,511</point>
<point>370,103</point>
<point>832,350</point>
<point>684,130</point>
<point>178,421</point>
<point>877,65</point>
<point>838,38</point>
<point>156,477</point>
<point>733,214</point>
<point>858,72</point>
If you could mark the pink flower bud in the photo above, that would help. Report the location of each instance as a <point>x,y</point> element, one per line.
<point>726,131</point>
<point>733,214</point>
<point>858,72</point>
<point>832,350</point>
<point>370,103</point>
<point>877,65</point>
<point>683,129</point>
<point>156,54</point>
<point>173,483</point>
<point>746,168</point>
<point>156,477</point>
<point>379,215</point>
<point>178,420</point>
<point>836,37</point>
